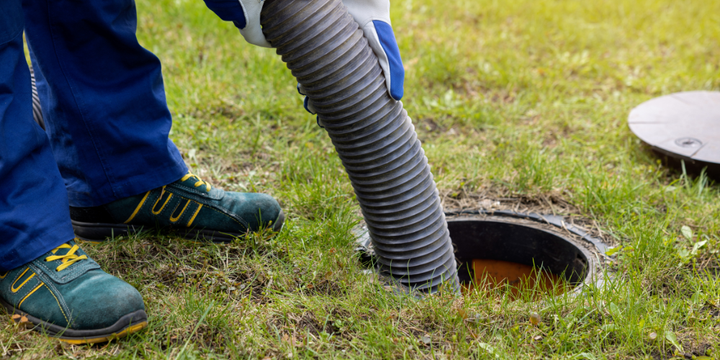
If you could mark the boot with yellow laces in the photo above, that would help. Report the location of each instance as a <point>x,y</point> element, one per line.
<point>65,294</point>
<point>188,207</point>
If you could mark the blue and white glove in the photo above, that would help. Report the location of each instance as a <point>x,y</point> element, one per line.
<point>245,14</point>
<point>373,16</point>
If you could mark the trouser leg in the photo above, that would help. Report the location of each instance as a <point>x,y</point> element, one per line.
<point>103,99</point>
<point>34,216</point>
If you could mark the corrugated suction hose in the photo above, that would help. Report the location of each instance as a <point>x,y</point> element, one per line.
<point>326,51</point>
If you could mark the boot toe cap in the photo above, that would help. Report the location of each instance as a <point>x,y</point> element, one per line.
<point>101,301</point>
<point>256,210</point>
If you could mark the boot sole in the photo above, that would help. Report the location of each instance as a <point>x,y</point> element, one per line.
<point>101,232</point>
<point>127,324</point>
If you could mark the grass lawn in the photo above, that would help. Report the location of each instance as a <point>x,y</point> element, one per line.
<point>514,98</point>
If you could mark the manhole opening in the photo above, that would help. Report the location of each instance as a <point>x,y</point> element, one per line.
<point>518,242</point>
<point>503,253</point>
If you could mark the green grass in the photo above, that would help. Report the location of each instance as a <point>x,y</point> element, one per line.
<point>516,98</point>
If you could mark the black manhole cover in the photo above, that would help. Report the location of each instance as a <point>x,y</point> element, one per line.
<point>683,127</point>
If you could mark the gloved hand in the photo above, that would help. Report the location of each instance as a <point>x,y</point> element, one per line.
<point>245,14</point>
<point>373,16</point>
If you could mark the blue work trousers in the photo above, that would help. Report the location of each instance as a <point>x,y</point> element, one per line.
<point>104,106</point>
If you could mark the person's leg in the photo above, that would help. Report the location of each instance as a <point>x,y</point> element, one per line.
<point>46,280</point>
<point>103,100</point>
<point>104,107</point>
<point>34,216</point>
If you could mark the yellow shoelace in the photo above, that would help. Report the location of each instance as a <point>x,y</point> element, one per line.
<point>68,259</point>
<point>199,181</point>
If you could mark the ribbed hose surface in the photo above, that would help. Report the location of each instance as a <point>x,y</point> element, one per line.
<point>326,51</point>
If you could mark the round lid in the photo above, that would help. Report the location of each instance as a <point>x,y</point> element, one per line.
<point>684,125</point>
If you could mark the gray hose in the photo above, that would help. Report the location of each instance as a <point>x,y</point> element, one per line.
<point>326,51</point>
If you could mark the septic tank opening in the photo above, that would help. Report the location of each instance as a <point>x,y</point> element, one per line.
<point>493,253</point>
<point>511,244</point>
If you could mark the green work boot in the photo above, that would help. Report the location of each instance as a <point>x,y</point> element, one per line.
<point>188,207</point>
<point>65,294</point>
